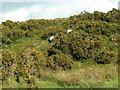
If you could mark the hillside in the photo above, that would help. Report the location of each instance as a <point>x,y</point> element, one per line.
<point>84,58</point>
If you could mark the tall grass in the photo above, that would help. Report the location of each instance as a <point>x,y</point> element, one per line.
<point>91,76</point>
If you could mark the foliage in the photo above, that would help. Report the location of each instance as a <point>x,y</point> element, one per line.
<point>9,60</point>
<point>52,30</point>
<point>60,62</point>
<point>94,39</point>
<point>29,65</point>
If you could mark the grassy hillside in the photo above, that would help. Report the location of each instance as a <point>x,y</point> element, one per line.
<point>85,58</point>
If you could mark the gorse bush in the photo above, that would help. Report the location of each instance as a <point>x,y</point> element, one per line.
<point>30,63</point>
<point>94,38</point>
<point>9,62</point>
<point>9,35</point>
<point>85,46</point>
<point>110,16</point>
<point>60,61</point>
<point>106,56</point>
<point>52,30</point>
<point>9,24</point>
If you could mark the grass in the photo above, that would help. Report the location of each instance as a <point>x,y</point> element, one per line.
<point>92,76</point>
<point>25,42</point>
<point>107,84</point>
<point>47,84</point>
<point>110,84</point>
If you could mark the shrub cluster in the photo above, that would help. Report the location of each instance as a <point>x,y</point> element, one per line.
<point>60,62</point>
<point>52,30</point>
<point>94,38</point>
<point>85,45</point>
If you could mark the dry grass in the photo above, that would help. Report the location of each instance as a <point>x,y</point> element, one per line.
<point>92,75</point>
<point>87,76</point>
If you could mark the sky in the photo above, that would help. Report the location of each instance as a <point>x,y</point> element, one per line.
<point>22,10</point>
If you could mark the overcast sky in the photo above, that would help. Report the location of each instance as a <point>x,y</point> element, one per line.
<point>18,10</point>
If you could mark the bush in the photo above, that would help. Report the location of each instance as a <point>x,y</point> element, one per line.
<point>60,61</point>
<point>84,46</point>
<point>106,56</point>
<point>30,63</point>
<point>9,60</point>
<point>9,35</point>
<point>52,30</point>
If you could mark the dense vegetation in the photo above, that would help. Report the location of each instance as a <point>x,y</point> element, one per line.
<point>26,52</point>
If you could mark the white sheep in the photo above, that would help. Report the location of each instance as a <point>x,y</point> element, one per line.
<point>114,39</point>
<point>68,31</point>
<point>51,38</point>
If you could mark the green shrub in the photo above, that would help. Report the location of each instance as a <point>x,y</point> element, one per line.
<point>52,30</point>
<point>9,35</point>
<point>9,24</point>
<point>60,61</point>
<point>9,60</point>
<point>84,46</point>
<point>106,56</point>
<point>30,63</point>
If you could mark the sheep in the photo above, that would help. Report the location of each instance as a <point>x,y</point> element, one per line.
<point>33,45</point>
<point>51,38</point>
<point>68,31</point>
<point>114,39</point>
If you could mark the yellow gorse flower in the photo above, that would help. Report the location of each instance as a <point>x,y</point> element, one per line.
<point>34,50</point>
<point>92,42</point>
<point>23,53</point>
<point>110,52</point>
<point>42,57</point>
